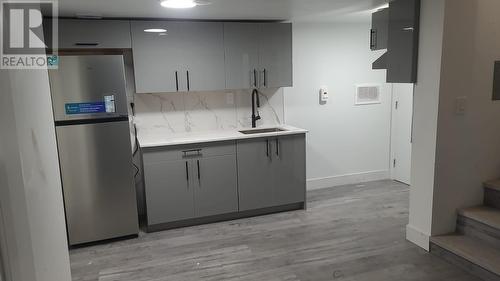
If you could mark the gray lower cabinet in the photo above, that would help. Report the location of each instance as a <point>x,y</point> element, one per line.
<point>169,196</point>
<point>255,175</point>
<point>271,171</point>
<point>186,182</point>
<point>216,189</point>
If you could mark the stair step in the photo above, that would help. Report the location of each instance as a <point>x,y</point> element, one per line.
<point>492,194</point>
<point>483,214</point>
<point>480,222</point>
<point>494,184</point>
<point>483,260</point>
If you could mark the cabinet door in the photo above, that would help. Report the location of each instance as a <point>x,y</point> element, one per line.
<point>403,41</point>
<point>380,30</point>
<point>157,56</point>
<point>216,188</point>
<point>275,55</point>
<point>241,44</point>
<point>255,177</point>
<point>169,196</point>
<point>203,53</point>
<point>94,34</point>
<point>289,168</point>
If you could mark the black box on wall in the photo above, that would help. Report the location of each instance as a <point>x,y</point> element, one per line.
<point>496,81</point>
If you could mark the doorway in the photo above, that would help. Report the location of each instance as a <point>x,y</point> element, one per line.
<point>401,132</point>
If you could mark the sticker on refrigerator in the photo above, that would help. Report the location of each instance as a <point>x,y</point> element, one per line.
<point>109,101</point>
<point>85,108</point>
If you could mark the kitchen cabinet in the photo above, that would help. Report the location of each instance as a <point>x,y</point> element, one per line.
<point>169,196</point>
<point>187,182</point>
<point>275,55</point>
<point>258,55</point>
<point>94,34</point>
<point>402,60</point>
<point>189,56</point>
<point>380,30</point>
<point>157,57</point>
<point>241,44</point>
<point>271,171</point>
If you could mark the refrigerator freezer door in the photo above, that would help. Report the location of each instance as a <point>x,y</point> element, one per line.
<point>98,186</point>
<point>85,87</point>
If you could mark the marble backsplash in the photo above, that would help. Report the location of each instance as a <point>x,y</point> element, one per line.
<point>206,111</point>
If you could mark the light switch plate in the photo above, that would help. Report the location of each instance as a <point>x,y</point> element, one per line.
<point>461,105</point>
<point>230,98</point>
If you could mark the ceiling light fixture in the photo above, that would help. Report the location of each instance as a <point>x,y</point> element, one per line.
<point>155,30</point>
<point>179,4</point>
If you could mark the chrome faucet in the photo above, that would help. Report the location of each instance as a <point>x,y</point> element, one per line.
<point>255,117</point>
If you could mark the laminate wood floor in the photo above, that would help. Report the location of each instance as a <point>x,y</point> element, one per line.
<point>348,233</point>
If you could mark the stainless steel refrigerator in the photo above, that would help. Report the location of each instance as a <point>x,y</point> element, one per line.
<point>93,138</point>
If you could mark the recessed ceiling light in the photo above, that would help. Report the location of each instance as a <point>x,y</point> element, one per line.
<point>155,30</point>
<point>178,4</point>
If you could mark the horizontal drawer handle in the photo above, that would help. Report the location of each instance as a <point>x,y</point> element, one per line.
<point>86,44</point>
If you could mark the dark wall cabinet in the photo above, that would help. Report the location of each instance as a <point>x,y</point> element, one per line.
<point>379,33</point>
<point>401,59</point>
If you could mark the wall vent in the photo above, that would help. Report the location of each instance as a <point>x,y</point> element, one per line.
<point>367,94</point>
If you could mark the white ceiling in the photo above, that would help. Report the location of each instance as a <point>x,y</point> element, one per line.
<point>296,10</point>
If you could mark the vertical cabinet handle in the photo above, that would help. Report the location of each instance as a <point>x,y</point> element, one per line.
<point>187,172</point>
<point>265,78</point>
<point>177,80</point>
<point>188,82</point>
<point>373,40</point>
<point>255,78</point>
<point>277,147</point>
<point>199,175</point>
<point>267,148</point>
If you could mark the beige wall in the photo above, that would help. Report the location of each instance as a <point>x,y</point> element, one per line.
<point>468,146</point>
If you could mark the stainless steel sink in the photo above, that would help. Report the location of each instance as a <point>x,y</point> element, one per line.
<point>262,131</point>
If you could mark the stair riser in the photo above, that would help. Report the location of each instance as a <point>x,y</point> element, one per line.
<point>479,231</point>
<point>464,264</point>
<point>492,198</point>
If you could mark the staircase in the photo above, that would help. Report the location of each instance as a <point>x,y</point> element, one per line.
<point>475,246</point>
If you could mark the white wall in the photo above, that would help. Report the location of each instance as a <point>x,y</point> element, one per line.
<point>346,143</point>
<point>425,118</point>
<point>468,146</point>
<point>30,188</point>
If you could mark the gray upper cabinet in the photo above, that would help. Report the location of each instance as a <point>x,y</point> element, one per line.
<point>241,43</point>
<point>169,195</point>
<point>271,172</point>
<point>379,33</point>
<point>275,55</point>
<point>402,60</point>
<point>255,175</point>
<point>157,58</point>
<point>258,55</point>
<point>103,34</point>
<point>203,56</point>
<point>189,56</point>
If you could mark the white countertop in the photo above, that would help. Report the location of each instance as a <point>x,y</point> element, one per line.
<point>162,137</point>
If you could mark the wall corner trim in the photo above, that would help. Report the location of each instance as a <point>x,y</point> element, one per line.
<point>418,237</point>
